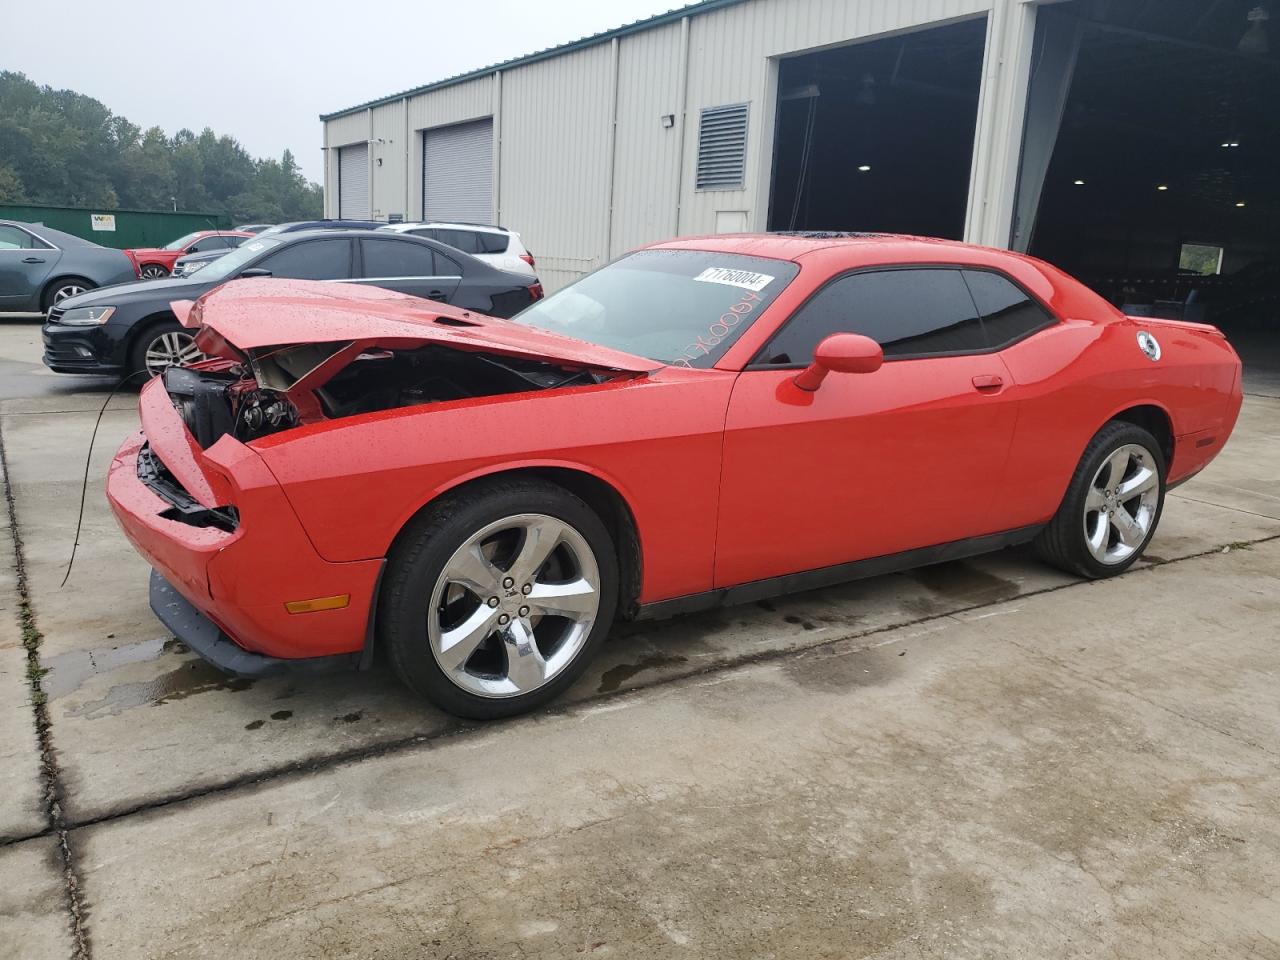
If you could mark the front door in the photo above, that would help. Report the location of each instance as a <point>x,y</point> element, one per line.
<point>869,464</point>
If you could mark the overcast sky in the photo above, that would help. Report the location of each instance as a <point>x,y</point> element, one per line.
<point>264,71</point>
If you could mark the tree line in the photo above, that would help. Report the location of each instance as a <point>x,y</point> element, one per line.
<point>62,148</point>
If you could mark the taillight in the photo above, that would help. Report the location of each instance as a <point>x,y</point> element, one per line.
<point>535,291</point>
<point>528,258</point>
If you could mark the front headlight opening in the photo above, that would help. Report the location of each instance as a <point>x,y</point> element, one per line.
<point>87,316</point>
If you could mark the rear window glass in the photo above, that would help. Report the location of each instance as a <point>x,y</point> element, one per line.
<point>680,307</point>
<point>493,242</point>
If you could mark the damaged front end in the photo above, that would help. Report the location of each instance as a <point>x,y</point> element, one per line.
<point>364,351</point>
<point>279,390</point>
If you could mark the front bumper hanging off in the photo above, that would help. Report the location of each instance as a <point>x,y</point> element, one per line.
<point>204,637</point>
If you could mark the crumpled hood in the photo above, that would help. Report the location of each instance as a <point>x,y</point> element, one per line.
<point>242,317</point>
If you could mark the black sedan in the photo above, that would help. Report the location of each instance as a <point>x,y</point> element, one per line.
<point>130,329</point>
<point>40,267</point>
<point>189,264</point>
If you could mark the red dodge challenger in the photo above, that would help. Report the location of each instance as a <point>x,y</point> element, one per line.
<point>702,422</point>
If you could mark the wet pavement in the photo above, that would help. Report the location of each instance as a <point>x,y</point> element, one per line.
<point>710,784</point>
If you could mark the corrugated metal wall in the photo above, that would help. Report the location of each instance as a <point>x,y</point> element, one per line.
<point>581,189</point>
<point>647,156</point>
<point>554,169</point>
<point>387,158</point>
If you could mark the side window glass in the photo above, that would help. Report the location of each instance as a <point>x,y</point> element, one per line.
<point>464,240</point>
<point>493,242</point>
<point>11,238</point>
<point>909,312</point>
<point>312,260</point>
<point>396,258</point>
<point>1007,312</point>
<point>447,266</point>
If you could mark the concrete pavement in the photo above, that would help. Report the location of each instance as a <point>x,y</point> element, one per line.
<point>976,758</point>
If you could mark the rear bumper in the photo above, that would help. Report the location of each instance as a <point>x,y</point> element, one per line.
<point>239,580</point>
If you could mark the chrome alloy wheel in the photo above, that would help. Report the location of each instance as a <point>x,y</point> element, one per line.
<point>153,272</point>
<point>514,605</point>
<point>173,348</point>
<point>68,290</point>
<point>1120,506</point>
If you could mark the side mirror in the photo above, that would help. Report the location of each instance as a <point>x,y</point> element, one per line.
<point>254,272</point>
<point>841,353</point>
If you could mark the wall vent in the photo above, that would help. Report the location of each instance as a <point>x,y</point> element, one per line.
<point>722,147</point>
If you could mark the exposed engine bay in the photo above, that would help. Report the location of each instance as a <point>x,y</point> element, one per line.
<point>267,392</point>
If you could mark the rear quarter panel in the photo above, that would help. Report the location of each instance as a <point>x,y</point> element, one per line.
<point>1074,377</point>
<point>656,440</point>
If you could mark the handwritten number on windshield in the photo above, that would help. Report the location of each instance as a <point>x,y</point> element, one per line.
<point>717,331</point>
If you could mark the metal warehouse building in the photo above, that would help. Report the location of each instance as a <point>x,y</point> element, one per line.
<point>1132,142</point>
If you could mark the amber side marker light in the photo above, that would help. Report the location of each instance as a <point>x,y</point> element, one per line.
<point>319,603</point>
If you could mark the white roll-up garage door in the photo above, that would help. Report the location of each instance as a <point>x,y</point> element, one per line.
<point>457,172</point>
<point>353,182</point>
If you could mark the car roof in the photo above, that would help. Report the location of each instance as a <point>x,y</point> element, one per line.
<point>51,235</point>
<point>341,234</point>
<point>870,247</point>
<point>451,225</point>
<point>293,226</point>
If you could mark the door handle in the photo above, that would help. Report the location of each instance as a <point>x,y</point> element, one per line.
<point>33,259</point>
<point>988,382</point>
<point>435,295</point>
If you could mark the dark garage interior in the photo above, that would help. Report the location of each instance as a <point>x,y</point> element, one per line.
<point>1161,190</point>
<point>1151,156</point>
<point>878,136</point>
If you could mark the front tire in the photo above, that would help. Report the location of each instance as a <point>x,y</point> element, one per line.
<point>1112,506</point>
<point>163,345</point>
<point>153,271</point>
<point>496,599</point>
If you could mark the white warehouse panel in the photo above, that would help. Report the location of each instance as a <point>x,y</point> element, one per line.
<point>353,182</point>
<point>457,172</point>
<point>595,146</point>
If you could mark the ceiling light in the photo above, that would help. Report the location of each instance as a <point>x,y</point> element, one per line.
<point>865,168</point>
<point>1162,187</point>
<point>1078,183</point>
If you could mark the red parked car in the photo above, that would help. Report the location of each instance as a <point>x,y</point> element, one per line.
<point>703,422</point>
<point>152,263</point>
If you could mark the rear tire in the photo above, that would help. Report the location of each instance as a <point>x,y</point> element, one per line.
<point>62,288</point>
<point>152,271</point>
<point>1112,506</point>
<point>497,598</point>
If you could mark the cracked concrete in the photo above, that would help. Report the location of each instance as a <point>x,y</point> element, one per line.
<point>973,759</point>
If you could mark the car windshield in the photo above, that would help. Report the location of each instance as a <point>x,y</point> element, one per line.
<point>680,307</point>
<point>233,260</point>
<point>181,241</point>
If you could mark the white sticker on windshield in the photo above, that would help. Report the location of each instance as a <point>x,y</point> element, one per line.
<point>254,245</point>
<point>745,279</point>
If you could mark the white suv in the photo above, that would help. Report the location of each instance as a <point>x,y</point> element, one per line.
<point>494,245</point>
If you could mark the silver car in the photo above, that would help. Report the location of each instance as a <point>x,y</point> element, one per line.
<point>40,267</point>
